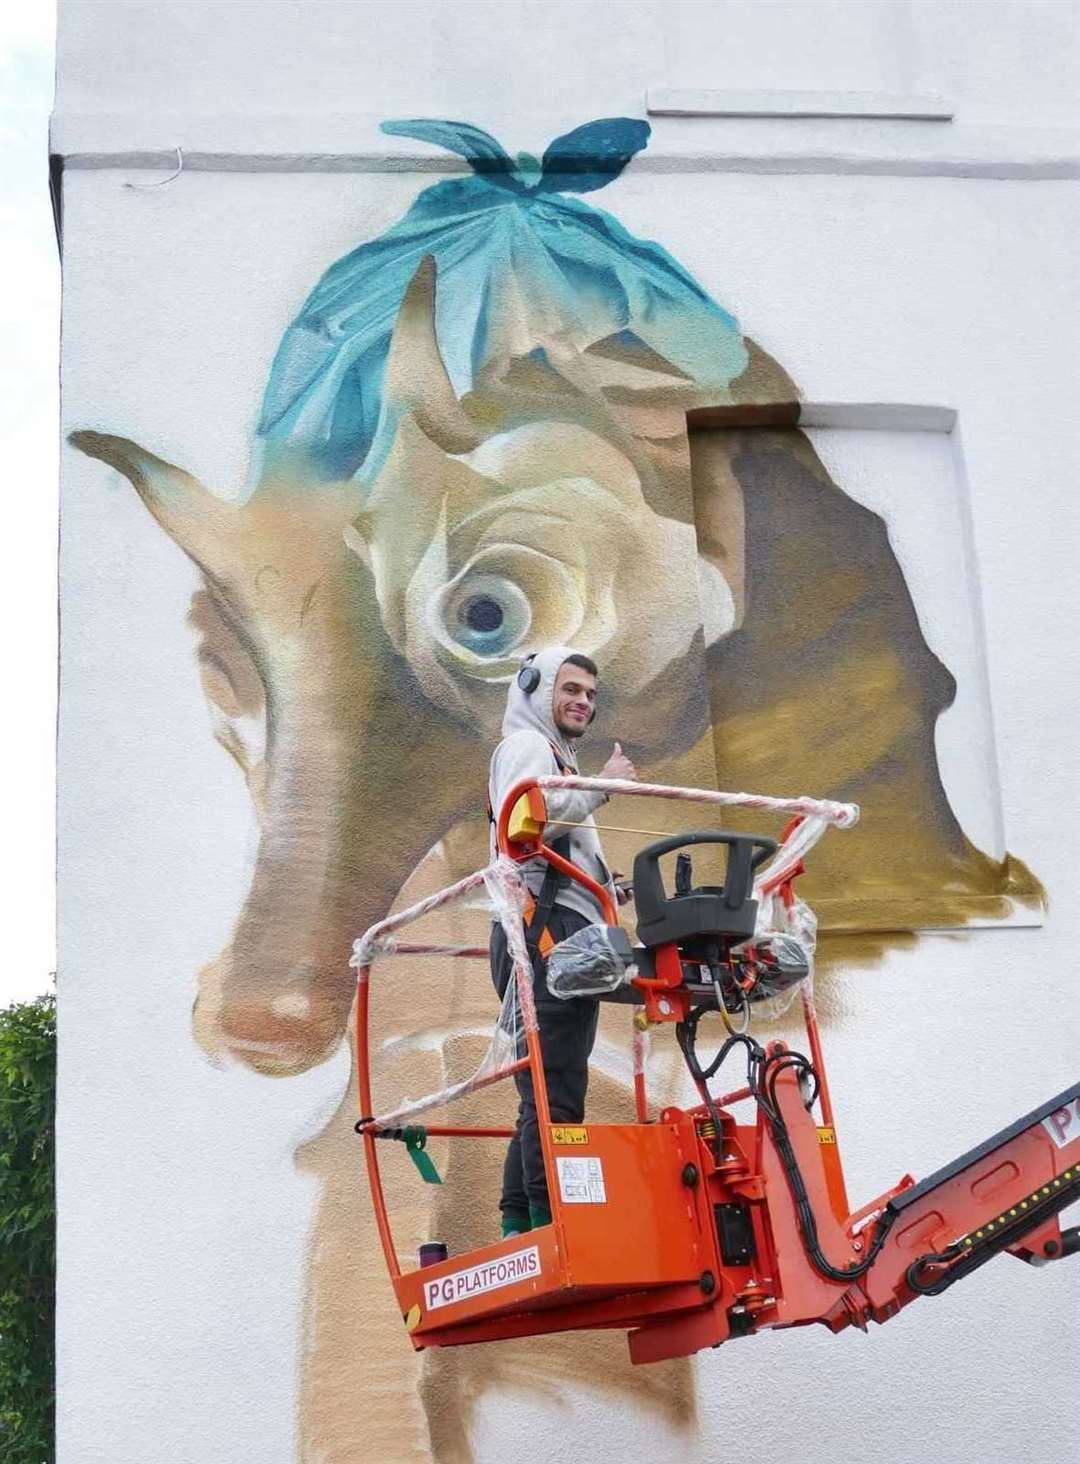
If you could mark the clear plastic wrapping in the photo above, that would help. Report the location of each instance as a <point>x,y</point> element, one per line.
<point>517,1012</point>
<point>779,963</point>
<point>789,926</point>
<point>598,959</point>
<point>589,963</point>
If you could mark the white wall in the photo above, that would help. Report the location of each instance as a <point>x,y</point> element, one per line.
<point>1009,62</point>
<point>183,1219</point>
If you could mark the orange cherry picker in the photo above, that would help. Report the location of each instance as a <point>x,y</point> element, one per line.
<point>688,1227</point>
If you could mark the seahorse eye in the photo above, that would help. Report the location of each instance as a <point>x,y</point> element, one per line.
<point>488,614</point>
<point>482,614</point>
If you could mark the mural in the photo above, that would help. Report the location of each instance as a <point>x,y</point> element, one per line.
<point>476,440</point>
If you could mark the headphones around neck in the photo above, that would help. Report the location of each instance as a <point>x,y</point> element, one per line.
<point>528,678</point>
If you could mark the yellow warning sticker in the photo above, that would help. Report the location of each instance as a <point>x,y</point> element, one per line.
<point>826,1135</point>
<point>413,1318</point>
<point>569,1135</point>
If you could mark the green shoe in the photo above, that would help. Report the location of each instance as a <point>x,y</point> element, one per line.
<point>514,1225</point>
<point>539,1215</point>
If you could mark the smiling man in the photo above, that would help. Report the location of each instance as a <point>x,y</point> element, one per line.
<point>550,705</point>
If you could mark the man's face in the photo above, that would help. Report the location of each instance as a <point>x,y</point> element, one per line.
<point>573,699</point>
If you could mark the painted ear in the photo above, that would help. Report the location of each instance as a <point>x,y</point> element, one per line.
<point>194,518</point>
<point>416,377</point>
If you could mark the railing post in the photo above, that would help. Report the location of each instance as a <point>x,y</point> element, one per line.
<point>363,1083</point>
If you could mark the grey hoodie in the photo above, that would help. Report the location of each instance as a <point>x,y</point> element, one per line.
<point>525,751</point>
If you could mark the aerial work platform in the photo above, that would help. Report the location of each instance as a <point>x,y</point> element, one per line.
<point>688,1226</point>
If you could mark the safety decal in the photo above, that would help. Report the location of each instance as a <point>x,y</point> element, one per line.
<point>564,1135</point>
<point>460,1285</point>
<point>581,1181</point>
<point>826,1135</point>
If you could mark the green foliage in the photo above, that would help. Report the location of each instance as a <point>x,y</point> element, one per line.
<point>27,1230</point>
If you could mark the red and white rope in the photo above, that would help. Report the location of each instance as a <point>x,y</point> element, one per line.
<point>843,815</point>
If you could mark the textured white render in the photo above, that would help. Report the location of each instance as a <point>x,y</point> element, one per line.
<point>904,263</point>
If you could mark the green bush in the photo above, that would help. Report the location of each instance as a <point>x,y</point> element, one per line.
<point>27,1231</point>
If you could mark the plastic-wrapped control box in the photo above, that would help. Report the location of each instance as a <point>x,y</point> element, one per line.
<point>592,962</point>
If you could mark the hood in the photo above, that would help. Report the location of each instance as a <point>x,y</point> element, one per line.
<point>531,712</point>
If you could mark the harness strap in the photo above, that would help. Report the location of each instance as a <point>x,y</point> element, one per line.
<point>538,910</point>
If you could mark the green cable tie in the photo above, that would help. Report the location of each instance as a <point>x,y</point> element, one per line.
<point>415,1143</point>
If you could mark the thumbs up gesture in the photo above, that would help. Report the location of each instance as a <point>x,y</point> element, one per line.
<point>618,765</point>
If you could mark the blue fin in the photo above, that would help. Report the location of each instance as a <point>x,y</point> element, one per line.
<point>479,149</point>
<point>592,155</point>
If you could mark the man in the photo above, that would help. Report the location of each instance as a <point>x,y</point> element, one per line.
<point>549,706</point>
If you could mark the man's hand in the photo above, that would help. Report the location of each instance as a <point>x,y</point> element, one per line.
<point>624,888</point>
<point>618,765</point>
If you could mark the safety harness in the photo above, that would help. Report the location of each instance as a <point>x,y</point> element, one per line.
<point>538,908</point>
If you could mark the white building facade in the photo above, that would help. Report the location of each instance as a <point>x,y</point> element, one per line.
<point>859,283</point>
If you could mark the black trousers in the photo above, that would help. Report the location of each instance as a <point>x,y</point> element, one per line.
<point>567,1034</point>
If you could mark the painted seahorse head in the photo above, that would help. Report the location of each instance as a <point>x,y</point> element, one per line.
<point>473,440</point>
